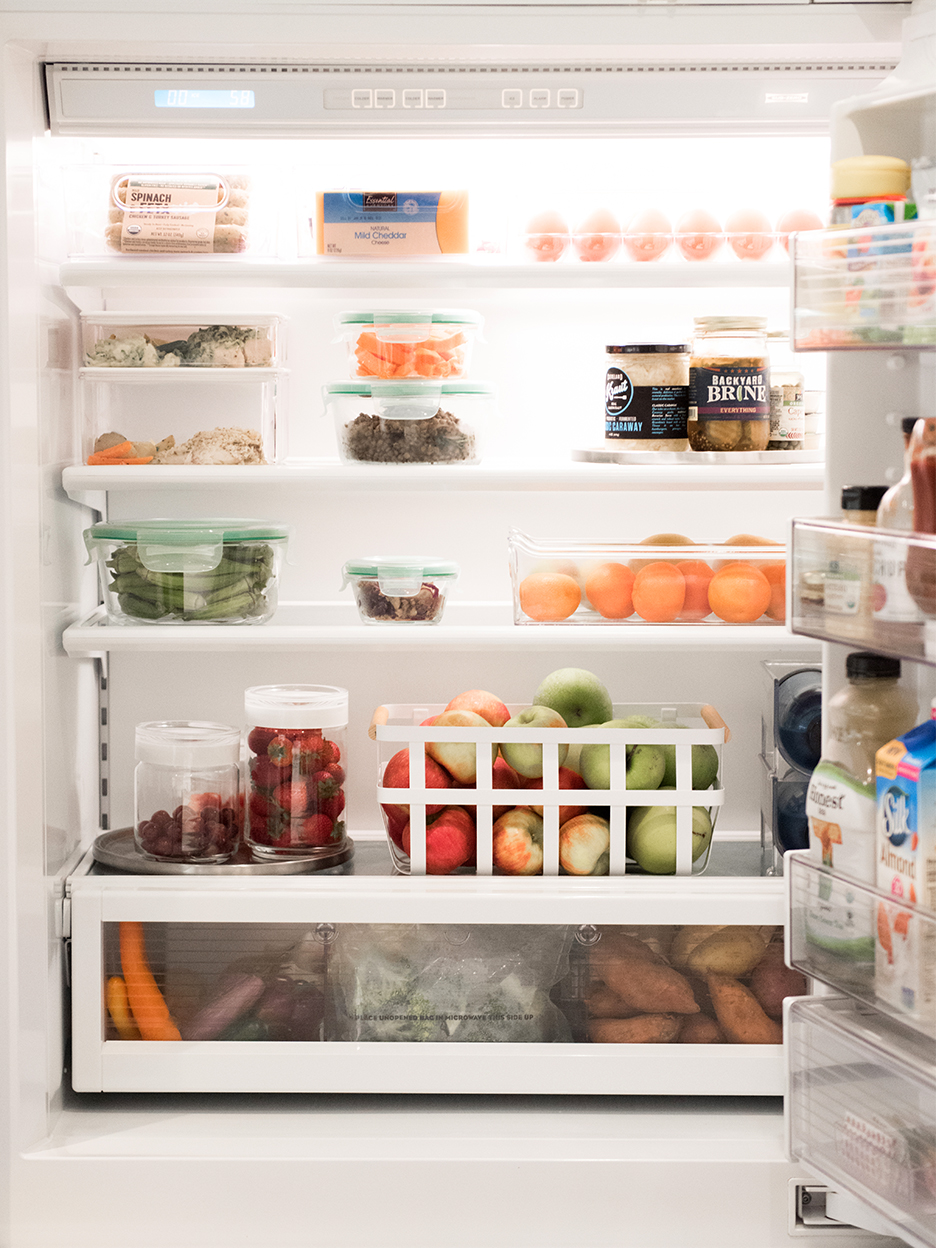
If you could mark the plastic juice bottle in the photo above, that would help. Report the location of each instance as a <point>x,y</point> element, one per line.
<point>841,802</point>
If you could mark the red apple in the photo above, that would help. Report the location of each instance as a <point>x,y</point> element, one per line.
<point>584,843</point>
<point>482,703</point>
<point>503,776</point>
<point>396,776</point>
<point>450,841</point>
<point>458,757</point>
<point>518,842</point>
<point>395,825</point>
<point>568,779</point>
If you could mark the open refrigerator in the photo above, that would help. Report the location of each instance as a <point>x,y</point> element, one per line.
<point>531,1135</point>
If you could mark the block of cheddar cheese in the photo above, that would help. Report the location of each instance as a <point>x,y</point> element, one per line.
<point>391,223</point>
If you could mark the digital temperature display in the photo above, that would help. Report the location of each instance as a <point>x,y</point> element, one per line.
<point>179,97</point>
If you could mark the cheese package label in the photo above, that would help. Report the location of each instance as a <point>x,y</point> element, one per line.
<point>391,223</point>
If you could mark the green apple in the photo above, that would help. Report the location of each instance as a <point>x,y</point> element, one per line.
<point>579,697</point>
<point>526,757</point>
<point>645,763</point>
<point>704,766</point>
<point>651,837</point>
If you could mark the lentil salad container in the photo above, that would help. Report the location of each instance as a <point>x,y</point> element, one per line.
<point>729,384</point>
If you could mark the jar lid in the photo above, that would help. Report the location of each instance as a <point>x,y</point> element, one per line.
<point>187,744</point>
<point>731,322</point>
<point>649,348</point>
<point>857,177</point>
<point>457,316</point>
<point>862,497</point>
<point>400,566</point>
<point>866,663</point>
<point>296,706</point>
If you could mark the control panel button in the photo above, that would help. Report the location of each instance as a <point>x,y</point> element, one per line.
<point>511,97</point>
<point>435,97</point>
<point>567,97</point>
<point>539,97</point>
<point>384,97</point>
<point>362,97</point>
<point>412,97</point>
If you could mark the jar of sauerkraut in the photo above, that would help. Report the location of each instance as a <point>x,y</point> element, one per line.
<point>646,396</point>
<point>729,384</point>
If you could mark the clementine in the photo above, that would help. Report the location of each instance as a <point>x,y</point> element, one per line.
<point>698,574</point>
<point>739,593</point>
<point>659,592</point>
<point>609,589</point>
<point>548,597</point>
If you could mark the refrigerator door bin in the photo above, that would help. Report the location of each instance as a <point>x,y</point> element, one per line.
<point>482,986</point>
<point>860,1110</point>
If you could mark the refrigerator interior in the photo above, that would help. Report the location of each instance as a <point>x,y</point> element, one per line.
<point>542,350</point>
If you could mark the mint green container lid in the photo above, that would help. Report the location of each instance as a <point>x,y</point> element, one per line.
<point>166,545</point>
<point>392,389</point>
<point>458,316</point>
<point>400,566</point>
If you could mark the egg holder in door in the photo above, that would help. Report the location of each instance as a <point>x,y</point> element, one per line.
<point>400,725</point>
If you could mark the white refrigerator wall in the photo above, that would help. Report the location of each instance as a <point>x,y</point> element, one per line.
<point>61,1151</point>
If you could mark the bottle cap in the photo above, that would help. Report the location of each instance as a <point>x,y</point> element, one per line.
<point>906,425</point>
<point>866,663</point>
<point>862,497</point>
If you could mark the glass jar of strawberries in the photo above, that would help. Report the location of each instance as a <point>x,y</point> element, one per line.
<point>295,770</point>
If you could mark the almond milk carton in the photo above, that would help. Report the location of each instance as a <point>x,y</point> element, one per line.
<point>905,835</point>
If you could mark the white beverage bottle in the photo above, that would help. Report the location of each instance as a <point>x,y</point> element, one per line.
<point>896,617</point>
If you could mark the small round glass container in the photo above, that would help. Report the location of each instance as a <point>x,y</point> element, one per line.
<point>295,781</point>
<point>729,384</point>
<point>400,588</point>
<point>187,791</point>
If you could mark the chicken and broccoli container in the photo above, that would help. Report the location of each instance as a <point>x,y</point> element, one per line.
<point>188,571</point>
<point>181,340</point>
<point>409,422</point>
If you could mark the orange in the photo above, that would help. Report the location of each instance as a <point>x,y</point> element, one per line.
<point>698,574</point>
<point>549,596</point>
<point>609,589</point>
<point>739,593</point>
<point>659,592</point>
<point>776,577</point>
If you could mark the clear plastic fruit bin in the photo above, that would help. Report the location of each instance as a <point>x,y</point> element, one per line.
<point>865,288</point>
<point>693,734</point>
<point>889,963</point>
<point>399,345</point>
<point>595,583</point>
<point>181,340</point>
<point>861,1108</point>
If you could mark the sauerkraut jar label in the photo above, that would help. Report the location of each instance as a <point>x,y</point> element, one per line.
<point>168,214</point>
<point>644,412</point>
<point>734,392</point>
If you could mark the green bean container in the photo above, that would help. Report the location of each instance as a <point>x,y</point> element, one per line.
<point>188,571</point>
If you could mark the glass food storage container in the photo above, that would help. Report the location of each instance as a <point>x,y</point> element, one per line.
<point>188,571</point>
<point>409,422</point>
<point>729,384</point>
<point>397,588</point>
<point>186,788</point>
<point>181,340</point>
<point>295,770</point>
<point>397,345</point>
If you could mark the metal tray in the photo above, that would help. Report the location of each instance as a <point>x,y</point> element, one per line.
<point>117,849</point>
<point>598,455</point>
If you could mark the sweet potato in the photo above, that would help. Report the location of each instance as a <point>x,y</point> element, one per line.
<point>700,1029</point>
<point>739,1013</point>
<point>772,980</point>
<point>645,1029</point>
<point>732,951</point>
<point>687,938</point>
<point>601,1002</point>
<point>615,945</point>
<point>650,986</point>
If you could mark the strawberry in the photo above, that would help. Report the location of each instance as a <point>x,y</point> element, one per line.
<point>293,796</point>
<point>325,784</point>
<point>316,830</point>
<point>259,738</point>
<point>333,806</point>
<point>264,773</point>
<point>280,750</point>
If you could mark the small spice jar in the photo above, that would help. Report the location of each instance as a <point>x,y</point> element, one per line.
<point>729,384</point>
<point>646,396</point>
<point>787,406</point>
<point>186,791</point>
<point>295,770</point>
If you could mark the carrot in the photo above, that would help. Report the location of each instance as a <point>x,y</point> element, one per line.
<point>146,1001</point>
<point>104,461</point>
<point>118,1007</point>
<point>117,451</point>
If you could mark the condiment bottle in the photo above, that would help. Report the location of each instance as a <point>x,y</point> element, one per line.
<point>921,560</point>
<point>729,384</point>
<point>295,764</point>
<point>896,616</point>
<point>849,577</point>
<point>841,801</point>
<point>186,791</point>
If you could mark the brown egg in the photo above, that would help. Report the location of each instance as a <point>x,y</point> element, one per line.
<point>698,234</point>
<point>547,235</point>
<point>749,233</point>
<point>797,219</point>
<point>598,237</point>
<point>648,235</point>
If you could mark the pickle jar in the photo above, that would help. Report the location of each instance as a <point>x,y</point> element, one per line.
<point>295,781</point>
<point>187,791</point>
<point>729,384</point>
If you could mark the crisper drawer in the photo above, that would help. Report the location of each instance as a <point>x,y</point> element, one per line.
<point>358,980</point>
<point>861,1110</point>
